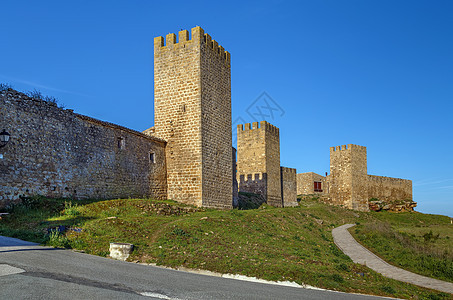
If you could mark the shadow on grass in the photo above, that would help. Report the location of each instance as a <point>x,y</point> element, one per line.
<point>250,201</point>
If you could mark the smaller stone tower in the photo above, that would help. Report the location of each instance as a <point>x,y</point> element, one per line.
<point>348,177</point>
<point>289,186</point>
<point>258,161</point>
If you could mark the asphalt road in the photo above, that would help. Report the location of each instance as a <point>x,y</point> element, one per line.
<point>30,271</point>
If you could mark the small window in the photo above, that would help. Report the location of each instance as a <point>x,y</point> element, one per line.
<point>317,186</point>
<point>121,143</point>
<point>152,158</point>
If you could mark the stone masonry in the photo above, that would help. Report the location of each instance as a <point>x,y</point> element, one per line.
<point>186,156</point>
<point>258,161</point>
<point>348,177</point>
<point>306,184</point>
<point>192,102</point>
<point>350,186</point>
<point>57,153</point>
<point>289,186</point>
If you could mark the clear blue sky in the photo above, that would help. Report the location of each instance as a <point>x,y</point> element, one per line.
<point>372,73</point>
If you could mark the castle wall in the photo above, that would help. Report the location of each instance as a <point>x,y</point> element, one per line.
<point>216,124</point>
<point>57,153</point>
<point>235,182</point>
<point>305,184</point>
<point>259,153</point>
<point>389,189</point>
<point>192,102</point>
<point>289,187</point>
<point>348,177</point>
<point>253,183</point>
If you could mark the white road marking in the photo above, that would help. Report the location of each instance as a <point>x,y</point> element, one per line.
<point>157,295</point>
<point>9,270</point>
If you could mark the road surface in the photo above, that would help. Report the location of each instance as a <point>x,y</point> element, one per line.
<point>30,271</point>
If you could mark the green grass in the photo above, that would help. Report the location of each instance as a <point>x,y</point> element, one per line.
<point>421,243</point>
<point>293,244</point>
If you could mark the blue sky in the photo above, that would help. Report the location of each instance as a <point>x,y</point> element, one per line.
<point>372,73</point>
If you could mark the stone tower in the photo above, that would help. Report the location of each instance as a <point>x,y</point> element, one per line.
<point>348,177</point>
<point>192,102</point>
<point>258,161</point>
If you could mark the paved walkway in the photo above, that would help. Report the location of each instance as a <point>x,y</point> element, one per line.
<point>359,254</point>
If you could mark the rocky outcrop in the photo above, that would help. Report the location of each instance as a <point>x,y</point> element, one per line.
<point>395,206</point>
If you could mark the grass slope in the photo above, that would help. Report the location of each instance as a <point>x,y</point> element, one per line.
<point>292,244</point>
<point>421,243</point>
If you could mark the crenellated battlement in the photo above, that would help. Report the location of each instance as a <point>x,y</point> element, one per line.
<point>347,148</point>
<point>263,125</point>
<point>253,178</point>
<point>197,36</point>
<point>288,170</point>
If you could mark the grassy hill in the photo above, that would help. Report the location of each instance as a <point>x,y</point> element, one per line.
<point>293,244</point>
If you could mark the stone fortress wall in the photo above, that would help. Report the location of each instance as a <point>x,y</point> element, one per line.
<point>259,160</point>
<point>192,102</point>
<point>305,184</point>
<point>58,153</point>
<point>349,185</point>
<point>186,156</point>
<point>289,186</point>
<point>389,189</point>
<point>348,177</point>
<point>258,165</point>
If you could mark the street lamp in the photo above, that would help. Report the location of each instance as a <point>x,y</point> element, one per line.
<point>4,138</point>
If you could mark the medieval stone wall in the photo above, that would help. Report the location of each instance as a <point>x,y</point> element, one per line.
<point>305,184</point>
<point>256,183</point>
<point>216,124</point>
<point>259,153</point>
<point>57,153</point>
<point>289,186</point>
<point>192,102</point>
<point>389,189</point>
<point>274,187</point>
<point>235,182</point>
<point>348,177</point>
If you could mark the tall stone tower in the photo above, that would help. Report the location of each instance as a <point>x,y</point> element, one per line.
<point>192,103</point>
<point>258,161</point>
<point>348,177</point>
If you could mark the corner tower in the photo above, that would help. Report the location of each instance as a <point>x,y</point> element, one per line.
<point>348,177</point>
<point>192,103</point>
<point>258,161</point>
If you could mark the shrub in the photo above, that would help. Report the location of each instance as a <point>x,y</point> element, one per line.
<point>4,87</point>
<point>337,278</point>
<point>58,240</point>
<point>49,99</point>
<point>179,232</point>
<point>70,209</point>
<point>388,289</point>
<point>429,236</point>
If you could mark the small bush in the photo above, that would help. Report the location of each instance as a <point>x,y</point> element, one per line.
<point>58,240</point>
<point>49,99</point>
<point>70,209</point>
<point>342,267</point>
<point>337,278</point>
<point>388,289</point>
<point>179,232</point>
<point>429,236</point>
<point>4,87</point>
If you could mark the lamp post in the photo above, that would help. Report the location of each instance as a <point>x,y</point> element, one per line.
<point>4,138</point>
